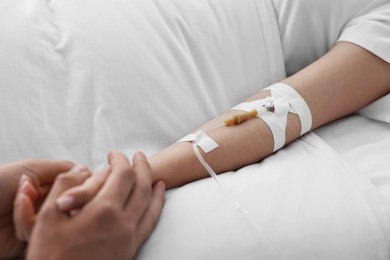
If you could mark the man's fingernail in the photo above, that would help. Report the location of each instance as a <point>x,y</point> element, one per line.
<point>65,203</point>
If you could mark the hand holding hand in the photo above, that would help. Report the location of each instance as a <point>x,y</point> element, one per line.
<point>120,214</point>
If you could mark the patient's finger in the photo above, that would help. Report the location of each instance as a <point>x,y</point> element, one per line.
<point>78,196</point>
<point>120,181</point>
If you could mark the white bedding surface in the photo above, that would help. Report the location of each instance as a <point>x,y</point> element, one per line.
<point>364,143</point>
<point>307,201</point>
<point>81,77</point>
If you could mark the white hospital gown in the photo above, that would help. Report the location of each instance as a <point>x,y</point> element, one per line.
<point>309,28</point>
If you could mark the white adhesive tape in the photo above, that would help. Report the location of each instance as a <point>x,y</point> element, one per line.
<point>297,104</point>
<point>284,99</point>
<point>248,106</point>
<point>202,140</point>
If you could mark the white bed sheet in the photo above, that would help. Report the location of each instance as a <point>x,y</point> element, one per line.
<point>308,201</point>
<point>365,144</point>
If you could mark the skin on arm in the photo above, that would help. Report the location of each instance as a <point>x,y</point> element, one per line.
<point>341,82</point>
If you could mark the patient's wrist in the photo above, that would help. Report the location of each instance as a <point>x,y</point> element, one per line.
<point>176,165</point>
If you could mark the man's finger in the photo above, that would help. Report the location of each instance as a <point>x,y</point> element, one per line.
<point>24,217</point>
<point>66,181</point>
<point>139,200</point>
<point>44,172</point>
<point>24,211</point>
<point>152,213</point>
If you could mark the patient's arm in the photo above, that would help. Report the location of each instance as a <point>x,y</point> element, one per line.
<point>341,82</point>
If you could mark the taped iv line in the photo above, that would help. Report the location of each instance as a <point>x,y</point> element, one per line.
<point>236,203</point>
<point>274,110</point>
<point>207,144</point>
<point>259,107</point>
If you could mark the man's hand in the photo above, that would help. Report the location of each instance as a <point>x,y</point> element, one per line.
<point>41,175</point>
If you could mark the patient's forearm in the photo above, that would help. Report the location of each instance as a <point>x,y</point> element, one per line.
<point>238,146</point>
<point>341,82</point>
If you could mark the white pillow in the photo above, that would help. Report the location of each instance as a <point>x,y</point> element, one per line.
<point>86,76</point>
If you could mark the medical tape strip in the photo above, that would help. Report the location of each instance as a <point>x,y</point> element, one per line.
<point>276,120</point>
<point>286,100</point>
<point>297,104</point>
<point>207,144</point>
<point>202,140</point>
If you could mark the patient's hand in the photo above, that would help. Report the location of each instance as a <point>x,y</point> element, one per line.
<point>40,175</point>
<point>119,210</point>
